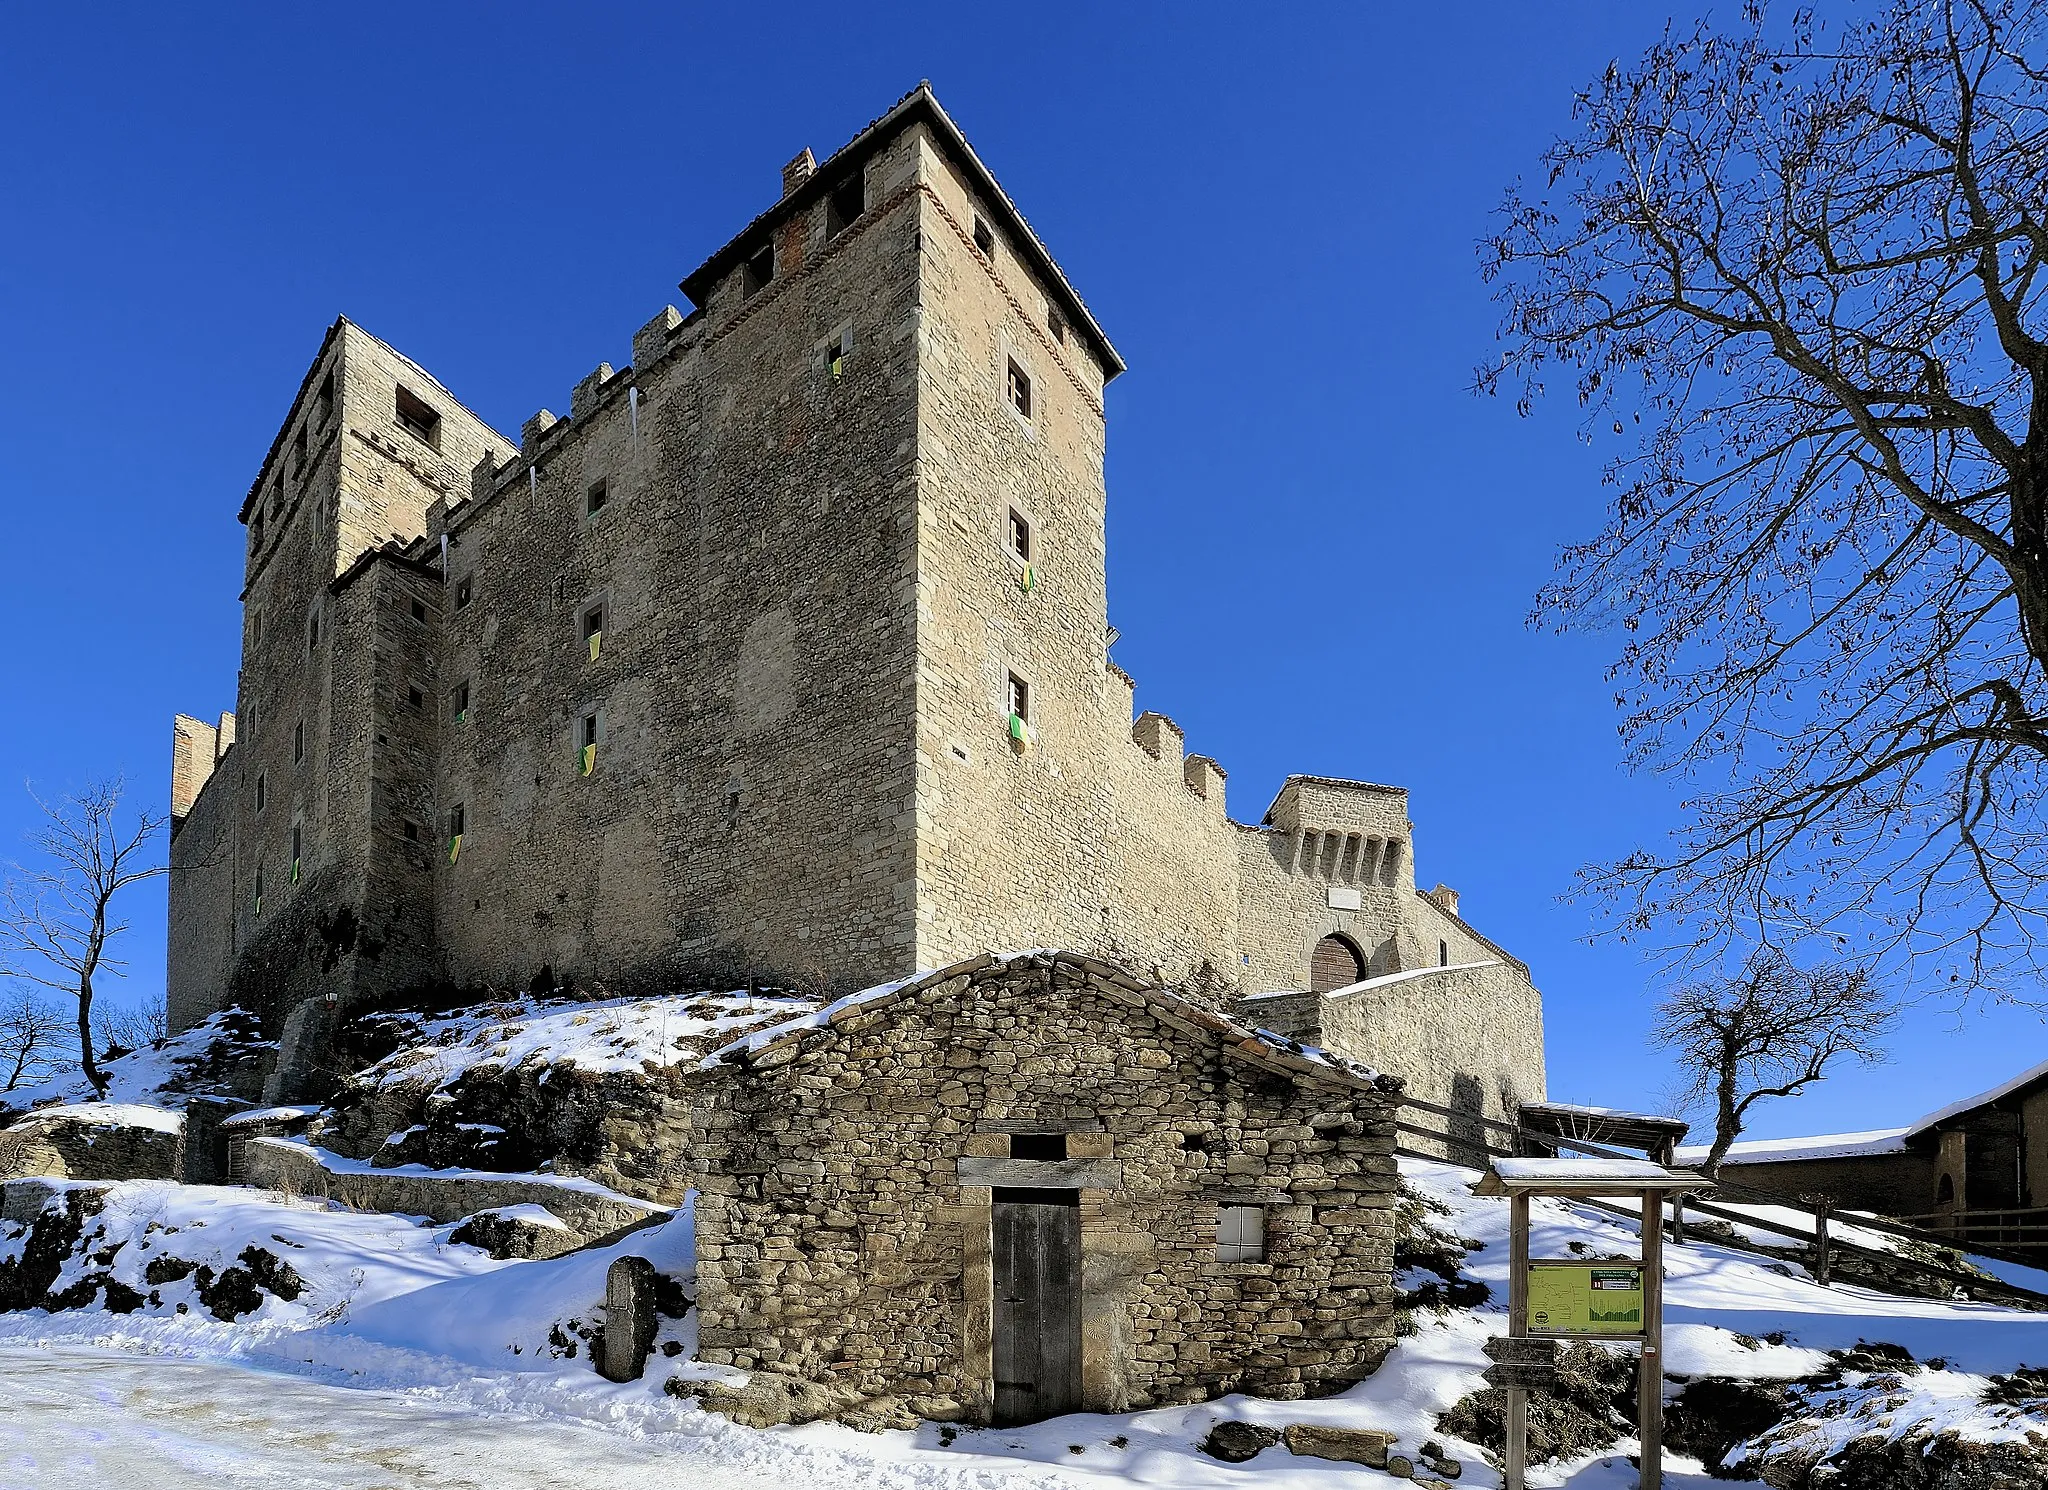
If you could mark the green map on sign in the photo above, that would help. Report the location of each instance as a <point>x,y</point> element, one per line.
<point>1584,1299</point>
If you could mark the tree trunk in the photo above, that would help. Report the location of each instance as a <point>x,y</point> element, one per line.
<point>86,1062</point>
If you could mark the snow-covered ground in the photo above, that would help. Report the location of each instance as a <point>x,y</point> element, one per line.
<point>399,1341</point>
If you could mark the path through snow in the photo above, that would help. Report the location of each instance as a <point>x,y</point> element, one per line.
<point>84,1419</point>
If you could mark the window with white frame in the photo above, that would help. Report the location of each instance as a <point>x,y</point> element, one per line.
<point>1240,1233</point>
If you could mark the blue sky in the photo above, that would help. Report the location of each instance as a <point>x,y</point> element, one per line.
<point>1322,545</point>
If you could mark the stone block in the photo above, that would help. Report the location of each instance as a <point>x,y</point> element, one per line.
<point>1365,1446</point>
<point>629,1318</point>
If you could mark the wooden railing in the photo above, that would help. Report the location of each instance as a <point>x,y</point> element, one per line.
<point>1464,1138</point>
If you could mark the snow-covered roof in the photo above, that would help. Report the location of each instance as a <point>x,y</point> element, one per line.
<point>260,1115</point>
<point>1820,1146</point>
<point>1586,1175</point>
<point>2004,1089</point>
<point>1260,1046</point>
<point>108,1115</point>
<point>1601,1112</point>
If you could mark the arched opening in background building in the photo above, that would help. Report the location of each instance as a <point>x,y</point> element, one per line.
<point>1336,963</point>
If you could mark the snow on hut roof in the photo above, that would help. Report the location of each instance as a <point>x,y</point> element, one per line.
<point>108,1115</point>
<point>1819,1146</point>
<point>1263,1047</point>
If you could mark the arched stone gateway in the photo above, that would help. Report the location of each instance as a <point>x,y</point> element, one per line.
<point>1335,964</point>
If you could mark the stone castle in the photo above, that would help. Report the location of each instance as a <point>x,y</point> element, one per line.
<point>782,657</point>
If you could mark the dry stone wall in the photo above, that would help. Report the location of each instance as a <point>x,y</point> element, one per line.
<point>838,1243</point>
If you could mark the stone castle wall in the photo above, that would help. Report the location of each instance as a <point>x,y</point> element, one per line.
<point>201,935</point>
<point>838,1242</point>
<point>1083,839</point>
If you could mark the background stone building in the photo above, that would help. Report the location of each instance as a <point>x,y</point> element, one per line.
<point>784,655</point>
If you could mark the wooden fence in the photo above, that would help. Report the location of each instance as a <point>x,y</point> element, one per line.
<point>1463,1139</point>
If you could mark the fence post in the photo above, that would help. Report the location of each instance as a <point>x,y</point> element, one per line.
<point>1821,1261</point>
<point>1677,1218</point>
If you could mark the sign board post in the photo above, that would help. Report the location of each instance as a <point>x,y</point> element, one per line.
<point>1554,1299</point>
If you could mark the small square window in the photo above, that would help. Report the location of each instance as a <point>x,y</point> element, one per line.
<point>411,830</point>
<point>262,790</point>
<point>1020,389</point>
<point>593,500</point>
<point>844,205</point>
<point>417,417</point>
<point>1240,1233</point>
<point>1018,534</point>
<point>464,589</point>
<point>458,702</point>
<point>1020,699</point>
<point>419,610</point>
<point>414,699</point>
<point>1038,1145</point>
<point>299,742</point>
<point>757,272</point>
<point>1057,325</point>
<point>984,238</point>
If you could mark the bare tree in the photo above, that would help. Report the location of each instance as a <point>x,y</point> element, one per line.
<point>57,918</point>
<point>127,1027</point>
<point>1772,1032</point>
<point>1800,272</point>
<point>31,1038</point>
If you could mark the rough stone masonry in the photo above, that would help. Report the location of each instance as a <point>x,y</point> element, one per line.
<point>782,657</point>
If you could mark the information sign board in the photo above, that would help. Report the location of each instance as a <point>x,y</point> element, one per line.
<point>1568,1297</point>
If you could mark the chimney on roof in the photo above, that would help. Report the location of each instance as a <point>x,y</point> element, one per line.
<point>797,172</point>
<point>1446,897</point>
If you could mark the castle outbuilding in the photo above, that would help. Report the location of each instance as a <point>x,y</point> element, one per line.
<point>782,656</point>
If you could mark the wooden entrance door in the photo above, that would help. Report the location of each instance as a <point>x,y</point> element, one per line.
<point>1037,1304</point>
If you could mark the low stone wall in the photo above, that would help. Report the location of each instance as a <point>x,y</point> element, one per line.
<point>60,1145</point>
<point>444,1196</point>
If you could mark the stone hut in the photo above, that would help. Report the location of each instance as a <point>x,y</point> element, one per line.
<point>1030,1185</point>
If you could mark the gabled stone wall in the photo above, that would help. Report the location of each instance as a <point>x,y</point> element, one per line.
<point>843,1239</point>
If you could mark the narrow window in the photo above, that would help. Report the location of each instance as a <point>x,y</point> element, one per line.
<point>259,889</point>
<point>299,742</point>
<point>417,417</point>
<point>1443,954</point>
<point>844,205</point>
<point>256,531</point>
<point>1020,535</point>
<point>262,790</point>
<point>984,238</point>
<point>756,273</point>
<point>1020,700</point>
<point>296,840</point>
<point>323,401</point>
<point>414,699</point>
<point>299,449</point>
<point>419,610</point>
<point>1020,389</point>
<point>586,743</point>
<point>593,629</point>
<point>594,499</point>
<point>1038,1145</point>
<point>834,354</point>
<point>1056,324</point>
<point>458,702</point>
<point>277,497</point>
<point>1240,1233</point>
<point>455,826</point>
<point>463,590</point>
<point>313,632</point>
<point>256,625</point>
